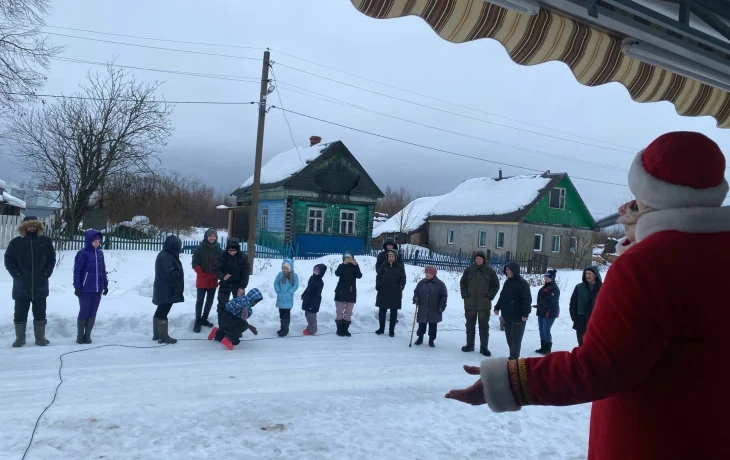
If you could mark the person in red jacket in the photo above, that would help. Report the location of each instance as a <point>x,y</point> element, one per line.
<point>653,356</point>
<point>206,282</point>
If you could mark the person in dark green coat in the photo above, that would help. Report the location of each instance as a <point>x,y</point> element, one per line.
<point>582,301</point>
<point>206,282</point>
<point>479,286</point>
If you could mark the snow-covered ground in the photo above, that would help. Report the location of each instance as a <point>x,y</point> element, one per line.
<point>322,397</point>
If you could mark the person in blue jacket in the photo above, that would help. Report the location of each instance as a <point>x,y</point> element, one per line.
<point>548,309</point>
<point>285,285</point>
<point>233,321</point>
<point>90,283</point>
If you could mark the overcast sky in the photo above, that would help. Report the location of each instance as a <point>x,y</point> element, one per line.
<point>217,142</point>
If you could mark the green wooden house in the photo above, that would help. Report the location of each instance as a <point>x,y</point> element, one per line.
<point>522,215</point>
<point>319,199</point>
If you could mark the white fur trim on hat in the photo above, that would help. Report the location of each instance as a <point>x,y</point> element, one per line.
<point>687,220</point>
<point>664,195</point>
<point>497,391</point>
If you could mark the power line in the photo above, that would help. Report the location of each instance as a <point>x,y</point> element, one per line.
<point>469,136</point>
<point>242,79</point>
<point>273,74</point>
<point>155,39</point>
<point>437,149</point>
<point>631,149</point>
<point>153,47</point>
<point>448,111</point>
<point>87,98</point>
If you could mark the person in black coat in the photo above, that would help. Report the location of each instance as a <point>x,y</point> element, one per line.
<point>232,270</point>
<point>389,283</point>
<point>548,310</point>
<point>168,287</point>
<point>30,260</point>
<point>515,303</point>
<point>348,273</point>
<point>430,298</point>
<point>312,298</point>
<point>388,245</point>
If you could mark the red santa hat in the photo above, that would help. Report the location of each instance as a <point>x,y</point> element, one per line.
<point>679,170</point>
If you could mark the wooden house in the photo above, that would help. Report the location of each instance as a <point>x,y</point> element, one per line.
<point>319,199</point>
<point>9,205</point>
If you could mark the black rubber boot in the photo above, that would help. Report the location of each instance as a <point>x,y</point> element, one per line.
<point>80,331</point>
<point>339,322</point>
<point>391,329</point>
<point>196,327</point>
<point>39,330</point>
<point>162,326</point>
<point>467,348</point>
<point>541,350</point>
<point>431,344</point>
<point>485,352</point>
<point>419,340</point>
<point>155,329</point>
<point>548,348</point>
<point>19,335</point>
<point>346,328</point>
<point>204,322</point>
<point>89,327</point>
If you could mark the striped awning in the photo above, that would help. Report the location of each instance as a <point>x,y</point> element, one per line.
<point>594,56</point>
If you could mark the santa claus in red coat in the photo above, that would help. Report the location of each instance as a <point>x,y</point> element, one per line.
<point>654,357</point>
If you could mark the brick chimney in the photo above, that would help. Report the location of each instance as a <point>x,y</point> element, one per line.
<point>314,140</point>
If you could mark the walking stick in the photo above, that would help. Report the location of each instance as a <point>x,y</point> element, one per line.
<point>415,313</point>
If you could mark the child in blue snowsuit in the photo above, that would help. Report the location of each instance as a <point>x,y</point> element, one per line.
<point>232,322</point>
<point>285,285</point>
<point>90,283</point>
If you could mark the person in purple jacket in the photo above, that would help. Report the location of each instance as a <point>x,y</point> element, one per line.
<point>90,283</point>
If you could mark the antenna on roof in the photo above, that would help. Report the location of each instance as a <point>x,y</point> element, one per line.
<point>546,173</point>
<point>500,174</point>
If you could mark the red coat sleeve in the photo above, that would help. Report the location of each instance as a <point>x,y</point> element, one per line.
<point>632,325</point>
<point>199,270</point>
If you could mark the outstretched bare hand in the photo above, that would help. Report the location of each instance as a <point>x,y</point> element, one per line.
<point>473,395</point>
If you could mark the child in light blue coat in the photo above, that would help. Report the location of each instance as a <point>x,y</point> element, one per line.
<point>285,285</point>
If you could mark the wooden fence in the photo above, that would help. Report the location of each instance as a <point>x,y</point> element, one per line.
<point>9,228</point>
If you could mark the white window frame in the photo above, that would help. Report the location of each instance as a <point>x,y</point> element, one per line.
<point>450,236</point>
<point>561,199</point>
<point>559,240</point>
<point>542,242</point>
<point>264,220</point>
<point>352,222</point>
<point>496,243</point>
<point>311,218</point>
<point>482,239</point>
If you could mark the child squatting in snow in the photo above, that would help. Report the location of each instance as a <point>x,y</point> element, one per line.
<point>232,322</point>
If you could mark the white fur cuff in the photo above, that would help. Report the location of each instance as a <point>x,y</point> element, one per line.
<point>497,392</point>
<point>663,195</point>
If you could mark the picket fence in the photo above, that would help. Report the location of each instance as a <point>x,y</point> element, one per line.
<point>9,228</point>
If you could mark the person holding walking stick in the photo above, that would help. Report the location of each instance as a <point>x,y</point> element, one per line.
<point>430,298</point>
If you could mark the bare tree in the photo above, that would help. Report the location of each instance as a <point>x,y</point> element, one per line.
<point>25,51</point>
<point>114,126</point>
<point>393,201</point>
<point>404,220</point>
<point>580,244</point>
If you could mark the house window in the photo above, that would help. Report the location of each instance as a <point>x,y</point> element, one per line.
<point>264,218</point>
<point>537,245</point>
<point>347,222</point>
<point>482,239</point>
<point>573,244</point>
<point>500,240</point>
<point>450,236</point>
<point>334,166</point>
<point>557,198</point>
<point>315,220</point>
<point>556,243</point>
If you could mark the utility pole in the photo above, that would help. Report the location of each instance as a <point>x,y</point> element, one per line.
<point>253,210</point>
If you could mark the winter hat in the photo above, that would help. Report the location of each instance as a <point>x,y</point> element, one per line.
<point>551,274</point>
<point>430,270</point>
<point>233,244</point>
<point>681,169</point>
<point>30,218</point>
<point>347,255</point>
<point>286,264</point>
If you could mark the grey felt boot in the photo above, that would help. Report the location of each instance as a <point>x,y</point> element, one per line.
<point>155,329</point>
<point>19,335</point>
<point>39,329</point>
<point>162,330</point>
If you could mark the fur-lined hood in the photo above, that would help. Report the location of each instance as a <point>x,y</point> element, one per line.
<point>24,225</point>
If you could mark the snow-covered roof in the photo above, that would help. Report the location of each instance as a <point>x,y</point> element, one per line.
<point>410,218</point>
<point>7,198</point>
<point>286,164</point>
<point>485,196</point>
